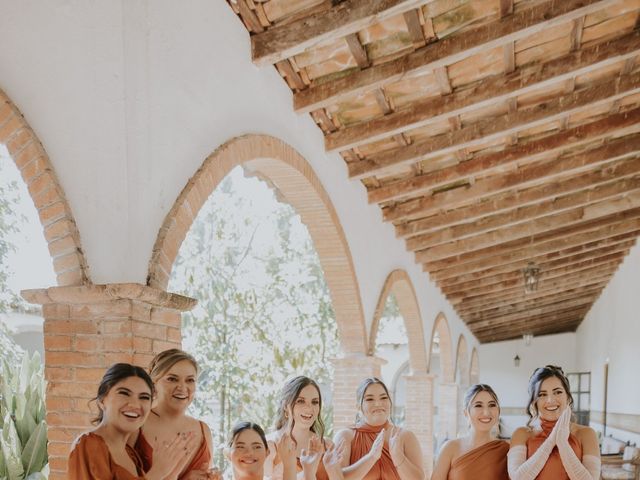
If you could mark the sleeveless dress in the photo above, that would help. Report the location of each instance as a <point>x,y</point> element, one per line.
<point>363,438</point>
<point>553,469</point>
<point>90,458</point>
<point>321,473</point>
<point>488,462</point>
<point>200,461</point>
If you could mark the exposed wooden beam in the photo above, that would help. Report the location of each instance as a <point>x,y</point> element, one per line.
<point>574,261</point>
<point>529,229</point>
<point>249,17</point>
<point>527,176</point>
<point>286,40</point>
<point>383,102</point>
<point>509,55</point>
<point>357,50</point>
<point>447,51</point>
<point>576,33</point>
<point>529,213</point>
<point>506,7</point>
<point>515,278</point>
<point>491,91</point>
<point>499,256</point>
<point>443,81</point>
<point>490,129</point>
<point>567,321</point>
<point>517,332</point>
<point>535,318</point>
<point>289,72</point>
<point>412,19</point>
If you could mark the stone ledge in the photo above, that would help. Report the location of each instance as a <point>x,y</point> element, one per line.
<point>90,294</point>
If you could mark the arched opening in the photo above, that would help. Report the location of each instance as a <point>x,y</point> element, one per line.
<point>474,367</point>
<point>444,389</point>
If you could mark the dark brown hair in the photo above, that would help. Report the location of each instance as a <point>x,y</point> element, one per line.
<point>362,389</point>
<point>114,374</point>
<point>475,390</point>
<point>288,396</point>
<point>535,383</point>
<point>240,427</point>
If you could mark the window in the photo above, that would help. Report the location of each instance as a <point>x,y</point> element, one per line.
<point>580,383</point>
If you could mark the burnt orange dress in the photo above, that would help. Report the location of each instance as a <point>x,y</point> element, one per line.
<point>553,469</point>
<point>364,436</point>
<point>321,473</point>
<point>91,459</point>
<point>200,461</point>
<point>488,462</point>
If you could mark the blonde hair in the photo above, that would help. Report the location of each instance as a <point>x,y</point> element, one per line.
<point>163,361</point>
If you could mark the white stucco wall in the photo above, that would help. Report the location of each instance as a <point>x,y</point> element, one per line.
<point>611,332</point>
<point>129,97</point>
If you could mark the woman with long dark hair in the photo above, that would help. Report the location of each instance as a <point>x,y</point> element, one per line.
<point>478,455</point>
<point>374,449</point>
<point>557,448</point>
<point>124,401</point>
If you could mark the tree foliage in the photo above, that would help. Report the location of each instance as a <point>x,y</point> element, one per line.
<point>264,312</point>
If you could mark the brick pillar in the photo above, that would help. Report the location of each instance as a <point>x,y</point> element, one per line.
<point>419,414</point>
<point>349,371</point>
<point>88,328</point>
<point>448,410</point>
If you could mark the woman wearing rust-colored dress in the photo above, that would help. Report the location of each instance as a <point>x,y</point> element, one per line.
<point>374,449</point>
<point>478,455</point>
<point>558,449</point>
<point>299,417</point>
<point>174,374</point>
<point>124,401</point>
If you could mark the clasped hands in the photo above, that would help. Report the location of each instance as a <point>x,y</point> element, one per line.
<point>396,449</point>
<point>562,429</point>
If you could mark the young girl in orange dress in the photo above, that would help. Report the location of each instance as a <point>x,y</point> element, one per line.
<point>299,417</point>
<point>374,449</point>
<point>124,401</point>
<point>478,455</point>
<point>558,449</point>
<point>174,374</point>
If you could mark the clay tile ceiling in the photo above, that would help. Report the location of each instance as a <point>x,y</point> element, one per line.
<point>491,134</point>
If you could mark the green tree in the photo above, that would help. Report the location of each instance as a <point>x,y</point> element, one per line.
<point>264,309</point>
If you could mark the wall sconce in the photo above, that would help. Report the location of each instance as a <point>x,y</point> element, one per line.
<point>516,360</point>
<point>531,275</point>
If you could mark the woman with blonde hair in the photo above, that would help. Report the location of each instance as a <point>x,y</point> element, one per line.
<point>174,374</point>
<point>479,455</point>
<point>374,449</point>
<point>557,449</point>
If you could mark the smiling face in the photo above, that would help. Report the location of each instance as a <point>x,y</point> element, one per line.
<point>306,407</point>
<point>376,405</point>
<point>247,454</point>
<point>177,386</point>
<point>483,412</point>
<point>552,399</point>
<point>127,404</point>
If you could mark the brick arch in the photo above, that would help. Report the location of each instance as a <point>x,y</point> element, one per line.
<point>399,283</point>
<point>474,367</point>
<point>60,230</point>
<point>441,325</point>
<point>289,173</point>
<point>462,362</point>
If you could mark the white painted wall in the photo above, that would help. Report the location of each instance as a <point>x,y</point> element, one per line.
<point>611,330</point>
<point>128,98</point>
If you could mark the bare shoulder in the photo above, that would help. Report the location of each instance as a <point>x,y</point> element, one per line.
<point>345,435</point>
<point>521,435</point>
<point>584,433</point>
<point>451,448</point>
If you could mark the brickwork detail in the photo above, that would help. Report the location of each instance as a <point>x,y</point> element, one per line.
<point>86,329</point>
<point>59,227</point>
<point>419,414</point>
<point>349,371</point>
<point>295,180</point>
<point>448,409</point>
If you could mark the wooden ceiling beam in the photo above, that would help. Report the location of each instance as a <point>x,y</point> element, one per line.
<point>452,267</point>
<point>522,304</point>
<point>545,326</point>
<point>524,216</point>
<point>495,128</point>
<point>530,229</point>
<point>515,279</point>
<point>490,91</point>
<point>498,161</point>
<point>514,334</point>
<point>551,261</point>
<point>349,16</point>
<point>439,54</point>
<point>541,172</point>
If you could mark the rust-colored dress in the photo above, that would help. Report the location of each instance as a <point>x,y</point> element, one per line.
<point>200,461</point>
<point>321,473</point>
<point>488,462</point>
<point>553,469</point>
<point>363,438</point>
<point>91,459</point>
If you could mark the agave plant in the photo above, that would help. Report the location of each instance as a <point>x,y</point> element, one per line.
<point>23,431</point>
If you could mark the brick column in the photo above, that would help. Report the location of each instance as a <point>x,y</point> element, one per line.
<point>349,371</point>
<point>448,410</point>
<point>88,328</point>
<point>419,414</point>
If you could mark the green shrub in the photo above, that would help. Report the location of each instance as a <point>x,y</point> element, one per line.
<point>23,430</point>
